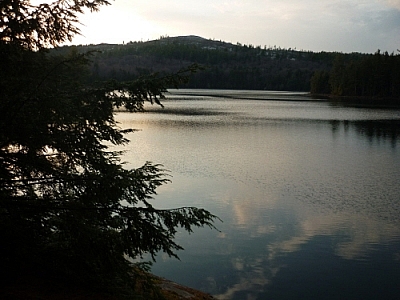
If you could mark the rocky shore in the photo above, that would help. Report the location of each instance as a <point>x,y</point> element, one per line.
<point>35,289</point>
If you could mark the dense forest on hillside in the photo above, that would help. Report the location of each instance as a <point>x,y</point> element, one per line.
<point>230,66</point>
<point>227,66</point>
<point>373,75</point>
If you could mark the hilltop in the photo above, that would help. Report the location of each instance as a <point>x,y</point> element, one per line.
<point>240,66</point>
<point>228,66</point>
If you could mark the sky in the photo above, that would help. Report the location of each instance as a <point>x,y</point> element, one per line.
<point>316,25</point>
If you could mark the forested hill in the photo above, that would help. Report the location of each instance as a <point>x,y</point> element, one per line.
<point>227,65</point>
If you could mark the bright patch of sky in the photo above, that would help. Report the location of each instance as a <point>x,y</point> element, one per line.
<point>316,25</point>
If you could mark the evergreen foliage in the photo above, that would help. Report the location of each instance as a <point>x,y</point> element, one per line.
<point>320,83</point>
<point>373,76</point>
<point>227,66</point>
<point>68,208</point>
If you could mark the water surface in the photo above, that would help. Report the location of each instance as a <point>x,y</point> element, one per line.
<point>308,192</point>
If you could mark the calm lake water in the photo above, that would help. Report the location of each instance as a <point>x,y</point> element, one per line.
<point>308,192</point>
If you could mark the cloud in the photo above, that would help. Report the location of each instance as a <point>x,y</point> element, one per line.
<point>363,232</point>
<point>393,3</point>
<point>336,25</point>
<point>253,277</point>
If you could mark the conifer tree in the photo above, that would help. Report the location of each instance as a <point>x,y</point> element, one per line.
<point>68,207</point>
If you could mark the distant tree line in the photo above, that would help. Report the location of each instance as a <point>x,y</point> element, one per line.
<point>237,66</point>
<point>226,66</point>
<point>372,75</point>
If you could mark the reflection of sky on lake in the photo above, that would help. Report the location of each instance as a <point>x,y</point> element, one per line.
<point>305,190</point>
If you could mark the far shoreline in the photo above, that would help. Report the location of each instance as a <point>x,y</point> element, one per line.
<point>369,101</point>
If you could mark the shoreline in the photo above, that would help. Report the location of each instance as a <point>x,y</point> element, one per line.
<point>372,101</point>
<point>172,290</point>
<point>41,289</point>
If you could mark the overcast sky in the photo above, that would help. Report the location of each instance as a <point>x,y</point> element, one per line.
<point>316,25</point>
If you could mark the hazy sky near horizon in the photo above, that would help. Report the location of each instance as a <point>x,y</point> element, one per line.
<point>316,25</point>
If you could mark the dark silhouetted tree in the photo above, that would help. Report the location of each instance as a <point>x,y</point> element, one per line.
<point>68,208</point>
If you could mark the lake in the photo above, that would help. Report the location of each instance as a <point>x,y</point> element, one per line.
<point>308,192</point>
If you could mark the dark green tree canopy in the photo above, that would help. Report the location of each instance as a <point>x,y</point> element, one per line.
<point>374,78</point>
<point>67,205</point>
